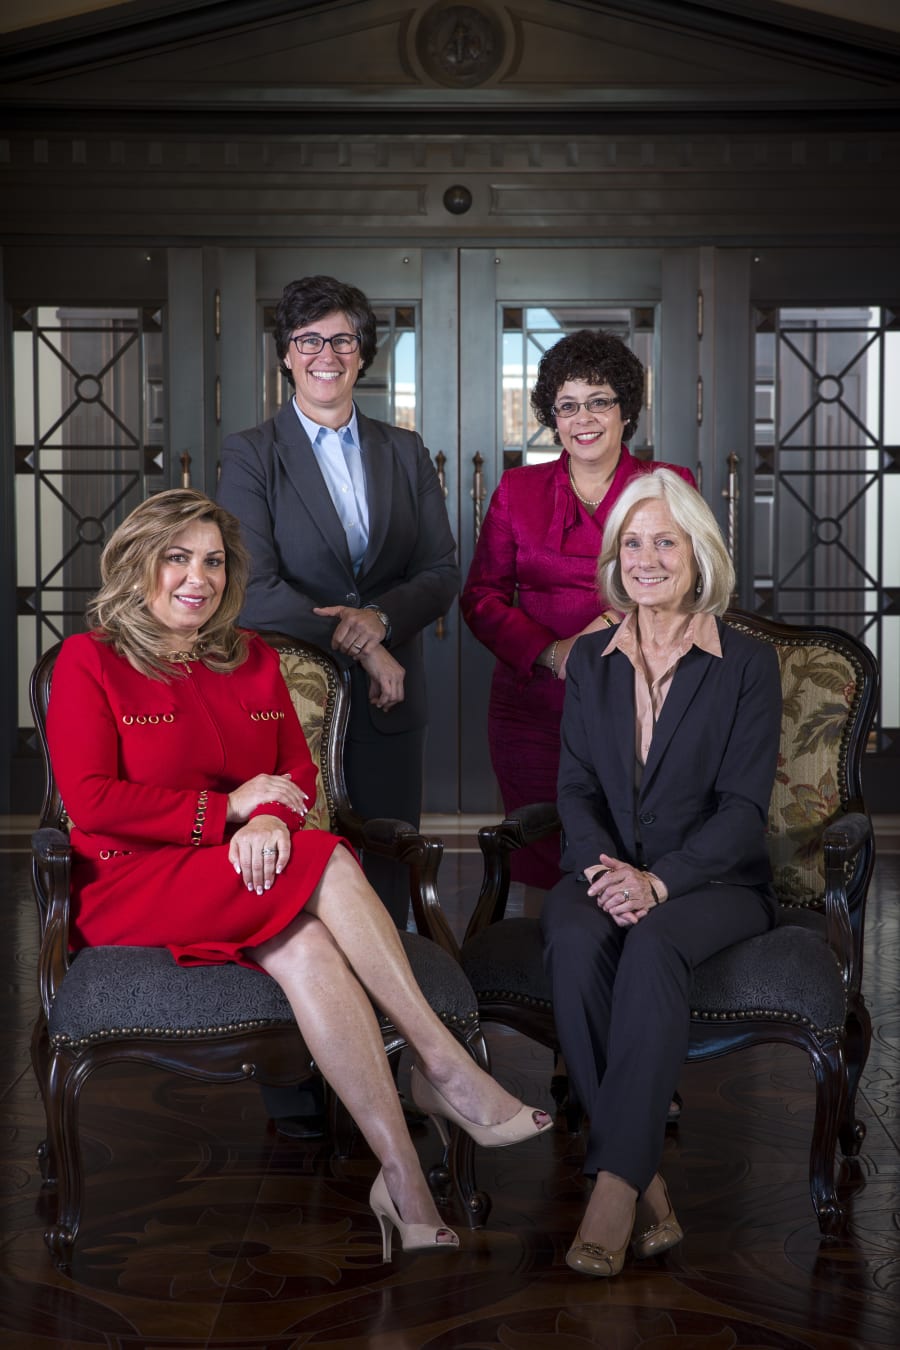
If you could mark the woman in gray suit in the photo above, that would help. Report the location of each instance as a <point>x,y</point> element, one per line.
<point>350,544</point>
<point>670,735</point>
<point>350,549</point>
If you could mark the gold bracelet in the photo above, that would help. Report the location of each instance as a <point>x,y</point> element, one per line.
<point>553,659</point>
<point>607,620</point>
<point>656,899</point>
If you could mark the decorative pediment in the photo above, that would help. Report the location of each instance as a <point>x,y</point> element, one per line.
<point>640,56</point>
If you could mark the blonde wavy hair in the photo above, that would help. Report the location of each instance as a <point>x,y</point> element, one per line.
<point>691,513</point>
<point>129,569</point>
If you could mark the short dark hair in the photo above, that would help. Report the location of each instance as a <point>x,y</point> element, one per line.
<point>596,358</point>
<point>312,298</point>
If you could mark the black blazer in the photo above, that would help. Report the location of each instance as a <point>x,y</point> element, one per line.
<point>271,481</point>
<point>700,814</point>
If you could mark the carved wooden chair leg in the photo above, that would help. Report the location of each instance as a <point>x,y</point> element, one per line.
<point>64,1084</point>
<point>830,1072</point>
<point>40,1063</point>
<point>852,1132</point>
<point>476,1203</point>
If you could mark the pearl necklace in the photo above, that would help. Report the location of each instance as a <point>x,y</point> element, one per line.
<point>586,501</point>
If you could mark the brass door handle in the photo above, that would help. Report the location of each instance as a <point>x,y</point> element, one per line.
<point>478,495</point>
<point>730,493</point>
<point>440,463</point>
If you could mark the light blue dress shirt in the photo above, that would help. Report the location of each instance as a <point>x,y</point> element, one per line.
<point>339,456</point>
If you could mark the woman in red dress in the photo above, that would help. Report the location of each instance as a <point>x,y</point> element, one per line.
<point>186,777</point>
<point>531,591</point>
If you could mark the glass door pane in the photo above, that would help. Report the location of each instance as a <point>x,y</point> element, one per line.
<point>827,428</point>
<point>90,444</point>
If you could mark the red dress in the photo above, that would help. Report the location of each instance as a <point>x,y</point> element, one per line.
<point>533,580</point>
<point>144,768</point>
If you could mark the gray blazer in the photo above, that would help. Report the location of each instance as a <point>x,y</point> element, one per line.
<point>270,480</point>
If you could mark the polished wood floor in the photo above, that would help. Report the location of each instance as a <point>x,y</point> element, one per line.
<point>202,1229</point>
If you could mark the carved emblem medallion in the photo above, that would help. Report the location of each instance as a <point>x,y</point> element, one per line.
<point>460,45</point>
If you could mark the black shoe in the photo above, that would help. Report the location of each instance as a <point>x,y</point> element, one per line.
<point>300,1127</point>
<point>559,1090</point>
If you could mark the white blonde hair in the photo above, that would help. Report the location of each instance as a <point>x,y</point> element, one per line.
<point>691,513</point>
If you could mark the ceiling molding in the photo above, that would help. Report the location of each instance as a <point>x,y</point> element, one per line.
<point>161,58</point>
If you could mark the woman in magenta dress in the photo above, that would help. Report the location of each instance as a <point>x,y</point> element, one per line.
<point>531,591</point>
<point>186,778</point>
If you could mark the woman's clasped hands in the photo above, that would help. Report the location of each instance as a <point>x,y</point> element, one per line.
<point>624,892</point>
<point>260,849</point>
<point>360,635</point>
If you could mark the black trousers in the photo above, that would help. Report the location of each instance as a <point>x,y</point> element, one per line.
<point>621,1004</point>
<point>384,778</point>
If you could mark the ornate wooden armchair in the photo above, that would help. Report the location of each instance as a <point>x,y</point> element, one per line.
<point>220,1024</point>
<point>798,984</point>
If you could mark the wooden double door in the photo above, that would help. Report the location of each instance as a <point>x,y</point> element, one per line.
<point>460,334</point>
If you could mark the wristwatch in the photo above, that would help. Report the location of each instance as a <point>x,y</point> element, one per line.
<point>380,614</point>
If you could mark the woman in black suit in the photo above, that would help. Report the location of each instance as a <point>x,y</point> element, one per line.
<point>664,815</point>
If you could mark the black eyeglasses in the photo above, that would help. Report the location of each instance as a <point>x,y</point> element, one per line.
<point>342,344</point>
<point>567,407</point>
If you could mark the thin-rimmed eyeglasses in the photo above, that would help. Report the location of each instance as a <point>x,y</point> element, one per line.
<point>567,407</point>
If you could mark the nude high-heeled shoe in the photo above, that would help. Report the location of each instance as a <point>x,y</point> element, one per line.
<point>589,1258</point>
<point>655,1238</point>
<point>525,1124</point>
<point>414,1237</point>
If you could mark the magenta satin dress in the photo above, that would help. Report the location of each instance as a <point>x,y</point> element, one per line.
<point>532,580</point>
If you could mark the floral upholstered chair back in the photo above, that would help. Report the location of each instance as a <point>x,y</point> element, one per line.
<point>319,698</point>
<point>821,688</point>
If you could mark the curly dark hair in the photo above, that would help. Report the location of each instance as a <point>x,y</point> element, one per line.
<point>312,298</point>
<point>596,358</point>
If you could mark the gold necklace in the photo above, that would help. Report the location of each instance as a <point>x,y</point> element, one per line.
<point>184,658</point>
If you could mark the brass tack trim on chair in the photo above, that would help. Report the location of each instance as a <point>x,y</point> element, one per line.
<point>527,1000</point>
<point>451,1019</point>
<point>61,1041</point>
<point>697,1016</point>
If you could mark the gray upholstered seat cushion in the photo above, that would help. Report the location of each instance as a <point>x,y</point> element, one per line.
<point>442,981</point>
<point>506,961</point>
<point>787,973</point>
<point>128,991</point>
